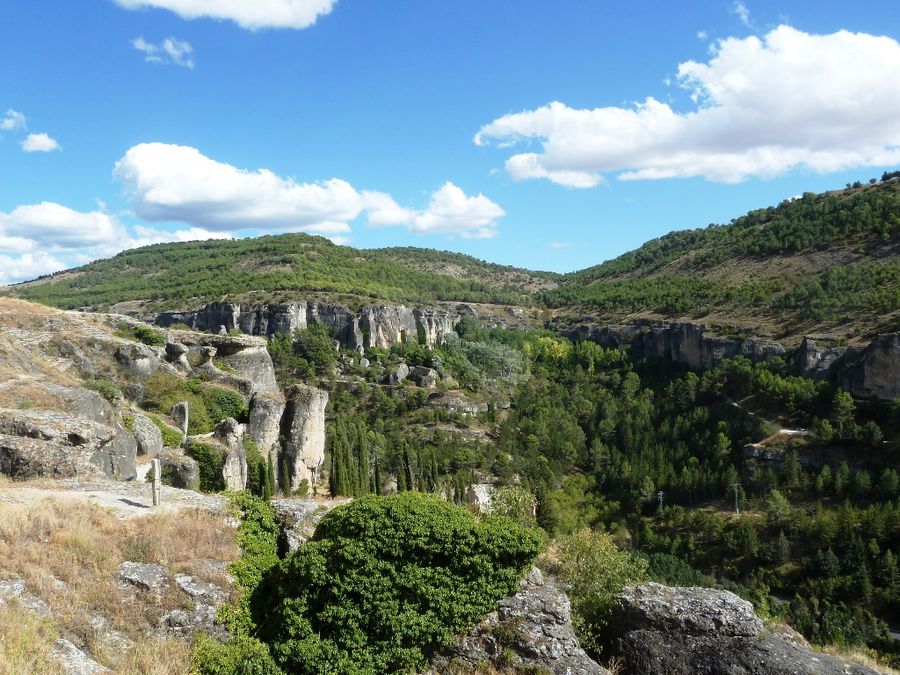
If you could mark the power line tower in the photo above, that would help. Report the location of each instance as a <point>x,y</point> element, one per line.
<point>659,496</point>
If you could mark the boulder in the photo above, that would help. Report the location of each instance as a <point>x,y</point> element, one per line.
<point>303,429</point>
<point>179,415</point>
<point>399,374</point>
<point>36,443</point>
<point>144,576</point>
<point>138,360</point>
<point>298,519</point>
<point>424,377</point>
<point>72,352</point>
<point>234,469</point>
<point>230,433</point>
<point>529,632</point>
<point>179,470</point>
<point>176,354</point>
<point>148,436</point>
<point>659,630</point>
<point>74,661</point>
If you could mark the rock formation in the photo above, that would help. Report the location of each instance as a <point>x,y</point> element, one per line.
<point>148,436</point>
<point>877,372</point>
<point>264,426</point>
<point>658,630</point>
<point>529,632</point>
<point>303,430</point>
<point>380,326</point>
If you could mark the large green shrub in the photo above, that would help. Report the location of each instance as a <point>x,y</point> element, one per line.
<point>387,580</point>
<point>149,336</point>
<point>172,438</point>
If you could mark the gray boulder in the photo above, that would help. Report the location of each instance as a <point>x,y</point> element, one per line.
<point>74,661</point>
<point>529,632</point>
<point>298,519</point>
<point>264,425</point>
<point>148,436</point>
<point>424,377</point>
<point>179,415</point>
<point>230,433</point>
<point>659,630</point>
<point>399,374</point>
<point>179,470</point>
<point>138,360</point>
<point>144,576</point>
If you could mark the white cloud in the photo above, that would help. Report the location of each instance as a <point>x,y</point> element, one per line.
<point>40,143</point>
<point>559,244</point>
<point>249,14</point>
<point>12,120</point>
<point>169,51</point>
<point>702,35</point>
<point>742,12</point>
<point>178,183</point>
<point>449,211</point>
<point>764,106</point>
<point>28,266</point>
<point>51,225</point>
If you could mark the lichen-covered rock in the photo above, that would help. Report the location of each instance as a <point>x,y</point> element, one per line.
<point>138,360</point>
<point>660,630</point>
<point>144,576</point>
<point>148,436</point>
<point>529,632</point>
<point>303,428</point>
<point>230,433</point>
<point>74,661</point>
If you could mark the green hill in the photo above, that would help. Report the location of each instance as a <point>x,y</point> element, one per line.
<point>819,262</point>
<point>170,276</point>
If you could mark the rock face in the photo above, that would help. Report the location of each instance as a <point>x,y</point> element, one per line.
<point>148,436</point>
<point>179,470</point>
<point>264,426</point>
<point>658,630</point>
<point>877,372</point>
<point>303,430</point>
<point>817,358</point>
<point>529,632</point>
<point>298,519</point>
<point>380,326</point>
<point>238,361</point>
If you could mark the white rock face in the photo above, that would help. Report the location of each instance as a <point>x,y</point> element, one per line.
<point>304,423</point>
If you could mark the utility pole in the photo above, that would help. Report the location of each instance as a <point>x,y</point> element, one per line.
<point>157,481</point>
<point>659,496</point>
<point>736,487</point>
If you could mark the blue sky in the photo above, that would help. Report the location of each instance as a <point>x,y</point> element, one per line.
<point>429,123</point>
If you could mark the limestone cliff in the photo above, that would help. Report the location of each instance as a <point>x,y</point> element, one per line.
<point>379,326</point>
<point>303,431</point>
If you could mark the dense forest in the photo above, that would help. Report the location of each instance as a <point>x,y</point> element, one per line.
<point>658,456</point>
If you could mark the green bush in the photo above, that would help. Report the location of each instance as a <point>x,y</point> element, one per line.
<point>106,388</point>
<point>210,461</point>
<point>595,570</point>
<point>385,581</point>
<point>149,336</point>
<point>208,403</point>
<point>172,438</point>
<point>242,655</point>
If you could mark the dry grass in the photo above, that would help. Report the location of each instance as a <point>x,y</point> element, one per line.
<point>26,643</point>
<point>862,657</point>
<point>69,554</point>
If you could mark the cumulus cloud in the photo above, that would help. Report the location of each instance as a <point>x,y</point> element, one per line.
<point>764,106</point>
<point>449,211</point>
<point>38,239</point>
<point>169,51</point>
<point>249,14</point>
<point>178,183</point>
<point>40,143</point>
<point>12,120</point>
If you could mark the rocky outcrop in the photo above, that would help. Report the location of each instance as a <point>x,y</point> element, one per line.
<point>264,425</point>
<point>179,470</point>
<point>381,326</point>
<point>877,371</point>
<point>238,361</point>
<point>529,632</point>
<point>424,377</point>
<point>148,436</point>
<point>35,443</point>
<point>818,357</point>
<point>298,519</point>
<point>688,343</point>
<point>658,630</point>
<point>303,430</point>
<point>399,374</point>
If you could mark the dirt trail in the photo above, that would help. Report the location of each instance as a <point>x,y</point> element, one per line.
<point>124,500</point>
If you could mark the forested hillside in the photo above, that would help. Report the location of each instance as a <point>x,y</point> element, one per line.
<point>820,262</point>
<point>298,266</point>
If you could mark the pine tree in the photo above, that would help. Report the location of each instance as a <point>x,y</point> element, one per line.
<point>285,478</point>
<point>270,477</point>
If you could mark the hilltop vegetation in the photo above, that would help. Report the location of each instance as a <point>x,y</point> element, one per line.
<point>169,276</point>
<point>826,257</point>
<point>814,263</point>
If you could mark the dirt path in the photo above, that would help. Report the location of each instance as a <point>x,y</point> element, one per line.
<point>124,500</point>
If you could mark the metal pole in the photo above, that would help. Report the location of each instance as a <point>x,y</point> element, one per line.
<point>157,481</point>
<point>737,508</point>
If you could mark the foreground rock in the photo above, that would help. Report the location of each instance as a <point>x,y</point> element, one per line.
<point>658,630</point>
<point>529,632</point>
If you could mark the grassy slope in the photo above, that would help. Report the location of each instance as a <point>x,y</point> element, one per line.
<point>826,262</point>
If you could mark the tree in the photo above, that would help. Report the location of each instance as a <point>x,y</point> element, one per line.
<point>782,549</point>
<point>843,410</point>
